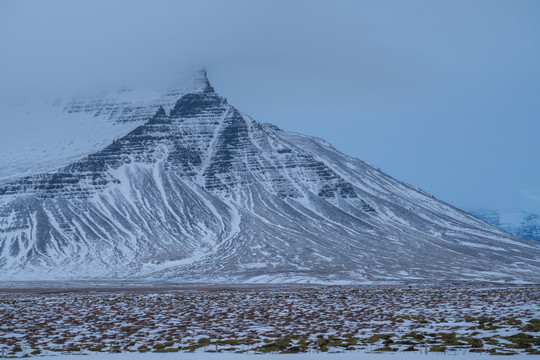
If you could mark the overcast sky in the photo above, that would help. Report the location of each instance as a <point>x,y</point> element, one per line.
<point>444,95</point>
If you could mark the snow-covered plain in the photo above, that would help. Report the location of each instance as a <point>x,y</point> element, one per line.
<point>252,320</point>
<point>316,356</point>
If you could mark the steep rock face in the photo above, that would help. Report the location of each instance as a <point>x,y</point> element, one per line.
<point>202,192</point>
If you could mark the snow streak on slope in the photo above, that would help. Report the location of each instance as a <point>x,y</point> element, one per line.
<point>202,192</point>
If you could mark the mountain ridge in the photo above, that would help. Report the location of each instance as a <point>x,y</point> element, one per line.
<point>205,193</point>
<point>517,222</point>
<point>47,133</point>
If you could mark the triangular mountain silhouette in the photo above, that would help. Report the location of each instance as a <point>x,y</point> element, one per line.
<point>202,192</point>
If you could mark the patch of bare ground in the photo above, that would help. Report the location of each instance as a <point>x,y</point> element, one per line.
<point>494,320</point>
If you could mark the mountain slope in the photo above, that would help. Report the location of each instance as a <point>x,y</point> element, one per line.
<point>516,222</point>
<point>47,133</point>
<point>202,192</point>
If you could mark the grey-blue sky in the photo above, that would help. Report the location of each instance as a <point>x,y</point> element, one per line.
<point>441,94</point>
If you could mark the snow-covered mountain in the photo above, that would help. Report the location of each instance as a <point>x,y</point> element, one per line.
<point>197,191</point>
<point>516,222</point>
<point>46,133</point>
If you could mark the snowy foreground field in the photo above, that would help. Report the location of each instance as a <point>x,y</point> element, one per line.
<point>302,356</point>
<point>335,323</point>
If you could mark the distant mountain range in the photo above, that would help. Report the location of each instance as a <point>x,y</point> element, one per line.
<point>191,189</point>
<point>517,222</point>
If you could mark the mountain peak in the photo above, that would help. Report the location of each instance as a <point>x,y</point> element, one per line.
<point>202,78</point>
<point>198,191</point>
